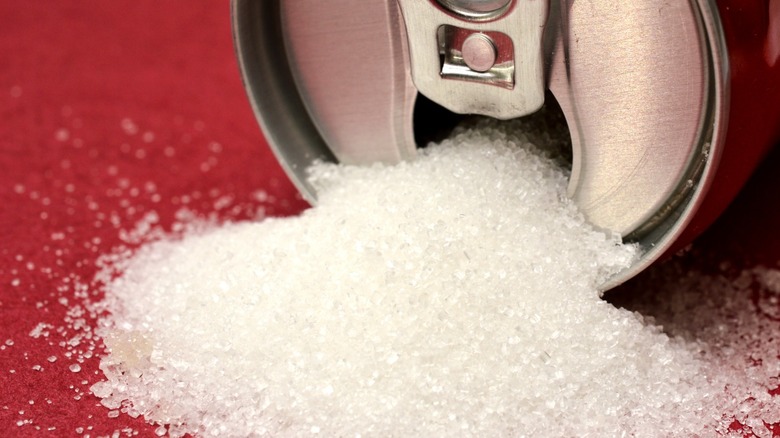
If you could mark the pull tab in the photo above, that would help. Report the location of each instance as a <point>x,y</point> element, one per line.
<point>478,56</point>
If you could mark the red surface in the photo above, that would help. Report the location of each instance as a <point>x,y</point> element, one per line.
<point>70,73</point>
<point>85,67</point>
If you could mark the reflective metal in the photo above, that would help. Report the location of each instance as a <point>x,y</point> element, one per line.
<point>635,88</point>
<point>455,57</point>
<point>523,26</point>
<point>479,52</point>
<point>476,9</point>
<point>349,63</point>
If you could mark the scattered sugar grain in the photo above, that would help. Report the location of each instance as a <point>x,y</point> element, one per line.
<point>62,134</point>
<point>452,295</point>
<point>129,126</point>
<point>731,317</point>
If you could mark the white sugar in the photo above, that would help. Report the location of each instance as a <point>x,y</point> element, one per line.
<point>455,295</point>
<point>732,318</point>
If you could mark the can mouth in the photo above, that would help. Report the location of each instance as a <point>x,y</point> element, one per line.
<point>644,92</point>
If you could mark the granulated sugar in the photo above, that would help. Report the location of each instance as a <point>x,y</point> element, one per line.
<point>734,318</point>
<point>455,295</point>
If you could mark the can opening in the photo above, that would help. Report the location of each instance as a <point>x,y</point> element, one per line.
<point>434,123</point>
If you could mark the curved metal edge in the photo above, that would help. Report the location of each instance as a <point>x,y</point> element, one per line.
<point>658,241</point>
<point>351,71</point>
<point>407,100</point>
<point>272,91</point>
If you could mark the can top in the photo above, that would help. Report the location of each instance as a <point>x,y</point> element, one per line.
<point>643,88</point>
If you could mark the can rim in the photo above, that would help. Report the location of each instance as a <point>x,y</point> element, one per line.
<point>268,81</point>
<point>657,242</point>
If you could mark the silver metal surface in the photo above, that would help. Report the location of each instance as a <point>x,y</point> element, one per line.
<point>643,86</point>
<point>349,62</point>
<point>476,9</point>
<point>455,59</point>
<point>662,229</point>
<point>634,86</point>
<point>479,52</point>
<point>523,26</point>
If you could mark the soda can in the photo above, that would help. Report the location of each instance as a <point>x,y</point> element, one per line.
<point>669,105</point>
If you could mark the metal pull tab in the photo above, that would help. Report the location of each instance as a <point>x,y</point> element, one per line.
<point>478,56</point>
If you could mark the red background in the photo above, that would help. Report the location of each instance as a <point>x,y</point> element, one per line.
<point>110,110</point>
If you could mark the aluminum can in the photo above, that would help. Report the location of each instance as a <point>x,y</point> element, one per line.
<point>670,105</point>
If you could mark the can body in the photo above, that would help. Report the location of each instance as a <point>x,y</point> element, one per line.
<point>752,32</point>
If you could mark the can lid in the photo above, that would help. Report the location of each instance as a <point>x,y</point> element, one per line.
<point>643,87</point>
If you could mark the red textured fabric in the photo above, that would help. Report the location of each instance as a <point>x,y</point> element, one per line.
<point>77,79</point>
<point>112,110</point>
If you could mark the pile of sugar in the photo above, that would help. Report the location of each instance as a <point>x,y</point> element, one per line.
<point>453,295</point>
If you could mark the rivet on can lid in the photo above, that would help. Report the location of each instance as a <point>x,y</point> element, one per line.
<point>479,52</point>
